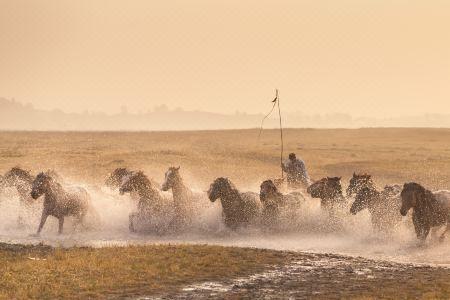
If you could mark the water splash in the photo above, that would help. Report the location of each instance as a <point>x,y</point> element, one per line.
<point>307,231</point>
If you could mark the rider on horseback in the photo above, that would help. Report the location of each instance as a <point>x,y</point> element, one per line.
<point>296,172</point>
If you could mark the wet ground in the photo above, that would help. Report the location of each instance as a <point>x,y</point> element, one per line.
<point>328,276</point>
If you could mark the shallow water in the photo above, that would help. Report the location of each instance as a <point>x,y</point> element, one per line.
<point>307,233</point>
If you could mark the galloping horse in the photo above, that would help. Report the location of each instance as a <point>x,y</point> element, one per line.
<point>429,209</point>
<point>329,191</point>
<point>21,180</point>
<point>183,197</point>
<point>277,205</point>
<point>359,181</point>
<point>115,179</point>
<point>151,204</point>
<point>383,206</point>
<point>238,209</point>
<point>58,201</point>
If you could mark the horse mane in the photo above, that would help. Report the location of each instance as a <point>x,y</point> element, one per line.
<point>120,172</point>
<point>335,184</point>
<point>223,181</point>
<point>272,186</point>
<point>427,196</point>
<point>368,191</point>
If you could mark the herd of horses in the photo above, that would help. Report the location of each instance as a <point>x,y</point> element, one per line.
<point>430,210</point>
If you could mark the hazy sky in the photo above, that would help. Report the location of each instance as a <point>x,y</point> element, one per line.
<point>364,57</point>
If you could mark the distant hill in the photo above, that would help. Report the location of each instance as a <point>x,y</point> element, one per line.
<point>18,116</point>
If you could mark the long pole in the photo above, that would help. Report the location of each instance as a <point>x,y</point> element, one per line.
<point>281,134</point>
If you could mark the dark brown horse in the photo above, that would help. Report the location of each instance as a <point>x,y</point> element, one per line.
<point>383,206</point>
<point>359,181</point>
<point>238,209</point>
<point>329,191</point>
<point>277,205</point>
<point>59,202</point>
<point>429,209</point>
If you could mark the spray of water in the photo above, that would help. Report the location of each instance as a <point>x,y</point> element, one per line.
<point>307,229</point>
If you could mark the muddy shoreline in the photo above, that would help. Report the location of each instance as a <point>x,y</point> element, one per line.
<point>328,276</point>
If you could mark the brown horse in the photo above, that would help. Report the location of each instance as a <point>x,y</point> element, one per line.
<point>429,209</point>
<point>383,206</point>
<point>238,209</point>
<point>115,179</point>
<point>277,205</point>
<point>150,204</point>
<point>21,180</point>
<point>359,181</point>
<point>58,201</point>
<point>329,191</point>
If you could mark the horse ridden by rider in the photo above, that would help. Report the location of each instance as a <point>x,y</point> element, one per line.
<point>296,174</point>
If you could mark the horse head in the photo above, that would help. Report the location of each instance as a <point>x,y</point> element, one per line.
<point>220,188</point>
<point>411,194</point>
<point>267,190</point>
<point>362,200</point>
<point>134,182</point>
<point>115,179</point>
<point>326,188</point>
<point>172,177</point>
<point>357,182</point>
<point>41,185</point>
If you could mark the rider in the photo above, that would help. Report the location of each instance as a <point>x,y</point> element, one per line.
<point>296,171</point>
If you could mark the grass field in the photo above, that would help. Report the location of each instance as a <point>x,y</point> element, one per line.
<point>391,155</point>
<point>45,273</point>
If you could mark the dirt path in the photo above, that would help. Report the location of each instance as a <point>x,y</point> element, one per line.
<point>327,276</point>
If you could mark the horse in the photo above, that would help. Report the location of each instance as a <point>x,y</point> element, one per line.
<point>383,206</point>
<point>115,179</point>
<point>183,198</point>
<point>359,181</point>
<point>329,191</point>
<point>58,201</point>
<point>429,209</point>
<point>22,181</point>
<point>150,204</point>
<point>238,209</point>
<point>277,206</point>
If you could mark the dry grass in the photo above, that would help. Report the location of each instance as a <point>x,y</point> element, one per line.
<point>391,155</point>
<point>43,273</point>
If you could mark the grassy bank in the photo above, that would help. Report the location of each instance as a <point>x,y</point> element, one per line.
<point>43,272</point>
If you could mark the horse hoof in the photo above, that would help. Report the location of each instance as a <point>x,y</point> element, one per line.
<point>35,235</point>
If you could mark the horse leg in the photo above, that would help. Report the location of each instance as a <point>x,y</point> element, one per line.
<point>41,224</point>
<point>442,237</point>
<point>422,235</point>
<point>61,225</point>
<point>131,222</point>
